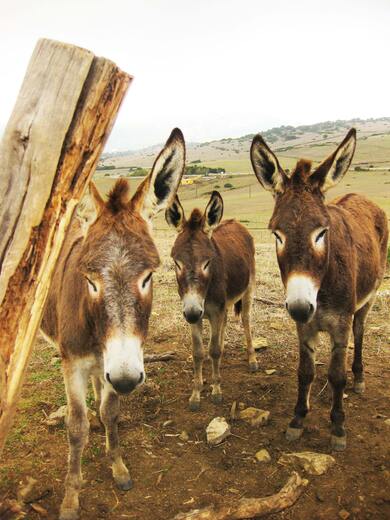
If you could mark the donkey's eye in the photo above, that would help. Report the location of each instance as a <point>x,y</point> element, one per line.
<point>320,235</point>
<point>92,286</point>
<point>278,237</point>
<point>206,265</point>
<point>146,280</point>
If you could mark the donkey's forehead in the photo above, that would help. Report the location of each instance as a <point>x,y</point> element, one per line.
<point>130,251</point>
<point>192,245</point>
<point>298,208</point>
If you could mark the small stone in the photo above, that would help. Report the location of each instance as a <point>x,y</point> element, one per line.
<point>241,406</point>
<point>217,431</point>
<point>387,422</point>
<point>27,492</point>
<point>270,371</point>
<point>58,417</point>
<point>255,416</point>
<point>263,456</point>
<point>313,463</point>
<point>234,491</point>
<point>260,343</point>
<point>343,514</point>
<point>184,436</point>
<point>277,325</point>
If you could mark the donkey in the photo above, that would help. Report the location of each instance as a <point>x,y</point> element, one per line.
<point>99,306</point>
<point>332,258</point>
<point>215,268</point>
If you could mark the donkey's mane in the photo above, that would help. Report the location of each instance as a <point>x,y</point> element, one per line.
<point>196,219</point>
<point>301,172</point>
<point>119,196</point>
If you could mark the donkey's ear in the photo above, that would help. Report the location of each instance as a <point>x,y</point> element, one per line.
<point>213,212</point>
<point>333,169</point>
<point>158,190</point>
<point>174,215</point>
<point>266,166</point>
<point>90,208</point>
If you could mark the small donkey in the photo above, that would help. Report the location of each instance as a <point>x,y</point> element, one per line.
<point>99,306</point>
<point>332,258</point>
<point>215,268</point>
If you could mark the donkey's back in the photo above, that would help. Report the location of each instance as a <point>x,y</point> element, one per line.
<point>237,249</point>
<point>364,225</point>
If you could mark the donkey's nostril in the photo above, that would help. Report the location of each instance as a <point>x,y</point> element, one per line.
<point>108,377</point>
<point>141,378</point>
<point>311,308</point>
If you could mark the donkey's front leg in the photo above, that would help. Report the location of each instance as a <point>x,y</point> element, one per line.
<point>198,358</point>
<point>247,300</point>
<point>337,377</point>
<point>76,382</point>
<point>217,323</point>
<point>306,373</point>
<point>109,413</point>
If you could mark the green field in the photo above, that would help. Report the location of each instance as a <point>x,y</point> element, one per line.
<point>252,205</point>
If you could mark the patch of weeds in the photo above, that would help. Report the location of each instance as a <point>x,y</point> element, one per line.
<point>39,376</point>
<point>96,451</point>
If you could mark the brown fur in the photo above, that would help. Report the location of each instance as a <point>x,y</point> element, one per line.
<point>228,279</point>
<point>99,305</point>
<point>347,268</point>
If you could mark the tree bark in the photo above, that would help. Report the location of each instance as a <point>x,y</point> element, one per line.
<point>63,115</point>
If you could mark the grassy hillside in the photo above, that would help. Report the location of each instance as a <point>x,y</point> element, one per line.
<point>311,141</point>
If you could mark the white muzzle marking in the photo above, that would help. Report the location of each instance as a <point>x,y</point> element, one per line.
<point>301,289</point>
<point>124,358</point>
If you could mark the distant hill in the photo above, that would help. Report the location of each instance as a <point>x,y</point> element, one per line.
<point>311,141</point>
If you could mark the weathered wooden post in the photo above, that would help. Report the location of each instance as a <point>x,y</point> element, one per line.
<point>63,115</point>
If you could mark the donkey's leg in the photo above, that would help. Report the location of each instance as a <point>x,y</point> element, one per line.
<point>247,301</point>
<point>198,358</point>
<point>215,350</point>
<point>337,377</point>
<point>97,391</point>
<point>76,383</point>
<point>306,371</point>
<point>359,320</point>
<point>109,413</point>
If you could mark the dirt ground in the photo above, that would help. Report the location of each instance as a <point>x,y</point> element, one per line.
<point>172,475</point>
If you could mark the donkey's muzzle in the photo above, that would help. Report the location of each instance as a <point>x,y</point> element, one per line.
<point>300,311</point>
<point>193,315</point>
<point>125,385</point>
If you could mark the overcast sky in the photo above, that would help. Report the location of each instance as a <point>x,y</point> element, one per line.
<point>215,68</point>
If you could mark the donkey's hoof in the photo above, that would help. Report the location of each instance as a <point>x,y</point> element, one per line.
<point>124,485</point>
<point>216,398</point>
<point>359,387</point>
<point>293,434</point>
<point>68,514</point>
<point>338,443</point>
<point>253,367</point>
<point>194,406</point>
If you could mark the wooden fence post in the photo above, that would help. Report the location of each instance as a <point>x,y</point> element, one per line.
<point>63,115</point>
